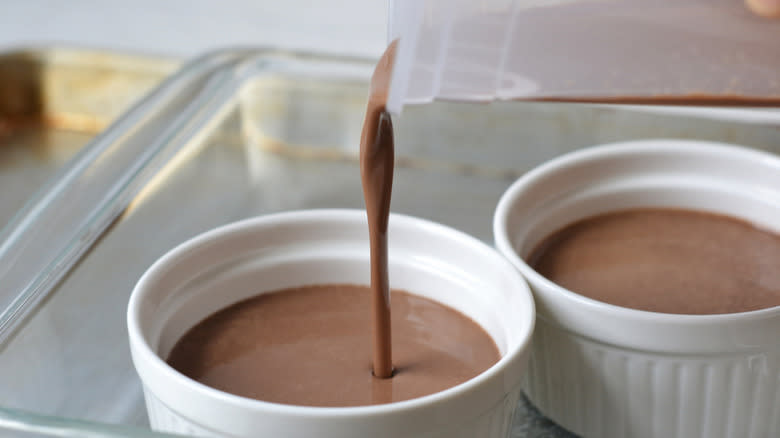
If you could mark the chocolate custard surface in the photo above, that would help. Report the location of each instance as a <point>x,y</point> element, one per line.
<point>311,346</point>
<point>665,260</point>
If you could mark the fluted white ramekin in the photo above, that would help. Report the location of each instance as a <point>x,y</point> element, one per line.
<point>291,249</point>
<point>604,371</point>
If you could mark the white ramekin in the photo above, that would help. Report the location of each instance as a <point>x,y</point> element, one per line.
<point>284,250</point>
<point>604,371</point>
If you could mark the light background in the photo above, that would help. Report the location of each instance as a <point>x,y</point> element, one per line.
<point>189,27</point>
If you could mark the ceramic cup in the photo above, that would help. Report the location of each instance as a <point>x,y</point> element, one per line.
<point>604,371</point>
<point>285,250</point>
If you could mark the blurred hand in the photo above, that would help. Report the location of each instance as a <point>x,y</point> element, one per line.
<point>765,8</point>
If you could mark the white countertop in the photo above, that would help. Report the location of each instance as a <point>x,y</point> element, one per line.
<point>188,27</point>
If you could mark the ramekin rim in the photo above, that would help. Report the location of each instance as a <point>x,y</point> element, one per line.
<point>154,361</point>
<point>505,247</point>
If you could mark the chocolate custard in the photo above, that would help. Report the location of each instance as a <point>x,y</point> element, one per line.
<point>311,346</point>
<point>665,260</point>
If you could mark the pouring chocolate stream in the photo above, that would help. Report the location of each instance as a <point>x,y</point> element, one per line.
<point>376,170</point>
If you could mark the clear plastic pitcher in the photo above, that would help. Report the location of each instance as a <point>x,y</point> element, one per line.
<point>630,51</point>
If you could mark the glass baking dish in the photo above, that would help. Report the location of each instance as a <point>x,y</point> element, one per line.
<point>53,101</point>
<point>235,134</point>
